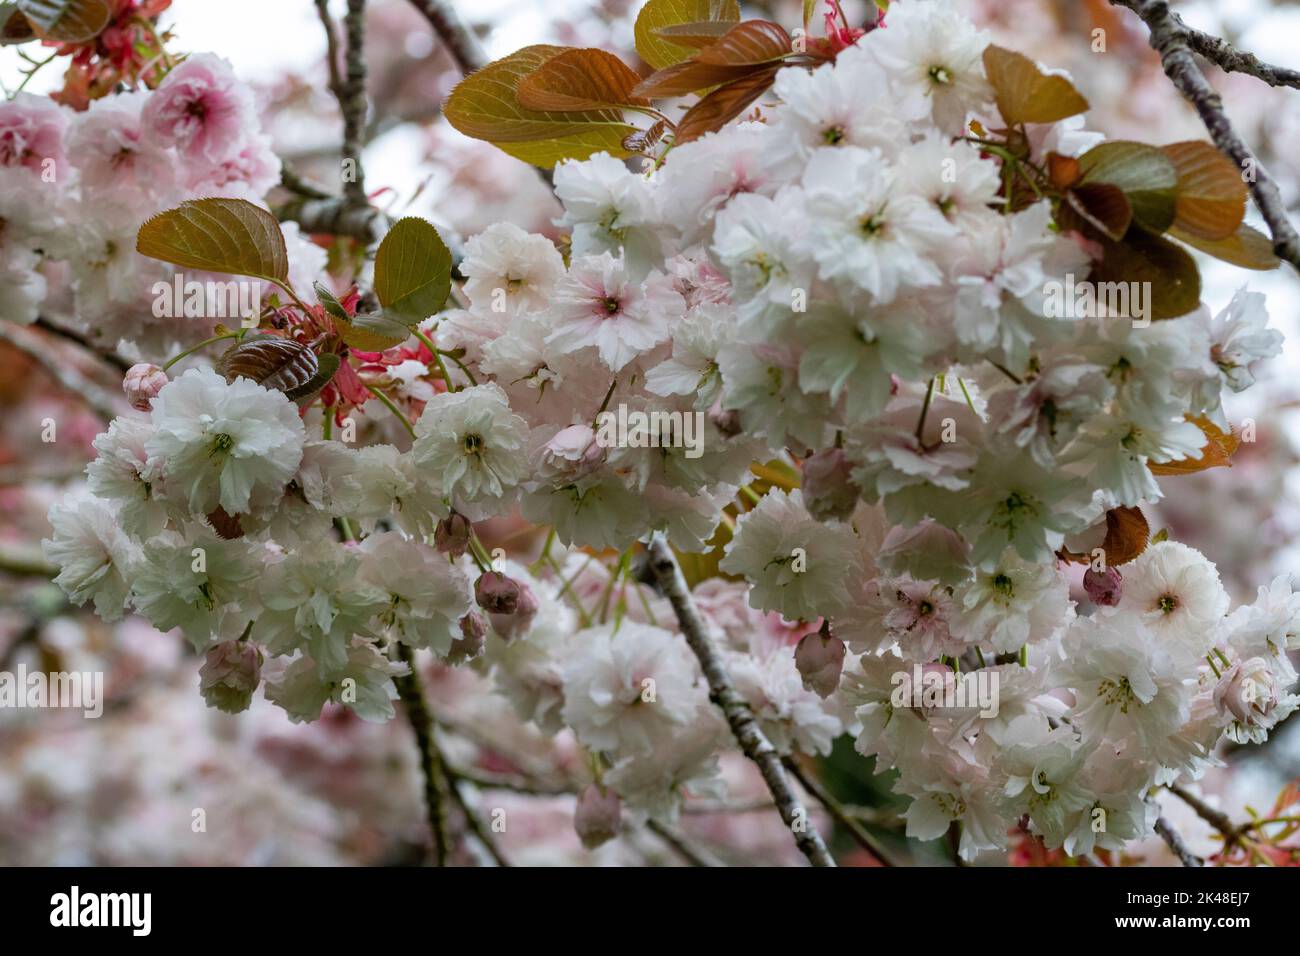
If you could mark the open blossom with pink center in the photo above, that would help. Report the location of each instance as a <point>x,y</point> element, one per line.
<point>599,305</point>
<point>112,153</point>
<point>32,131</point>
<point>202,110</point>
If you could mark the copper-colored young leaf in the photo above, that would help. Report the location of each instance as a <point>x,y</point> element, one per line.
<point>14,25</point>
<point>1127,533</point>
<point>579,80</point>
<point>751,42</point>
<point>412,271</point>
<point>67,21</point>
<point>1025,94</point>
<point>485,105</point>
<point>1219,448</point>
<point>1247,247</point>
<point>723,105</point>
<point>226,525</point>
<point>1102,206</point>
<point>1172,282</point>
<point>685,78</point>
<point>1063,171</point>
<point>276,363</point>
<point>696,35</point>
<point>218,235</point>
<point>304,393</point>
<point>1145,174</point>
<point>1211,194</point>
<point>657,14</point>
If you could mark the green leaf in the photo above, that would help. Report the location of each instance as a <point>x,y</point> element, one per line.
<point>1173,281</point>
<point>218,235</point>
<point>67,21</point>
<point>657,14</point>
<point>485,105</point>
<point>329,364</point>
<point>1211,194</point>
<point>697,35</point>
<point>1247,247</point>
<point>1025,94</point>
<point>412,271</point>
<point>330,302</point>
<point>1144,173</point>
<point>373,333</point>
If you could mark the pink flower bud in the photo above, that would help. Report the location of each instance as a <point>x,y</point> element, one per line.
<point>1248,691</point>
<point>473,634</point>
<point>451,536</point>
<point>141,383</point>
<point>828,488</point>
<point>725,421</point>
<point>496,593</point>
<point>820,659</point>
<point>571,453</point>
<point>598,816</point>
<point>1104,588</point>
<point>512,625</point>
<point>230,674</point>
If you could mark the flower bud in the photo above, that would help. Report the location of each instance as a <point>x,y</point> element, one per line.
<point>473,634</point>
<point>828,488</point>
<point>141,383</point>
<point>571,453</point>
<point>1247,691</point>
<point>230,674</point>
<point>724,420</point>
<point>451,536</point>
<point>820,659</point>
<point>1104,587</point>
<point>510,626</point>
<point>598,816</point>
<point>496,593</point>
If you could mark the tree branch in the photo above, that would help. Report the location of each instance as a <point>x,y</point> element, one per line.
<point>679,842</point>
<point>336,217</point>
<point>836,809</point>
<point>753,742</point>
<point>119,364</point>
<point>97,399</point>
<point>435,784</point>
<point>353,102</point>
<point>454,34</point>
<point>1172,39</point>
<point>332,49</point>
<point>1175,842</point>
<point>1231,60</point>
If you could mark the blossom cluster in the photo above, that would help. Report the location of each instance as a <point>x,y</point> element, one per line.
<point>76,185</point>
<point>835,285</point>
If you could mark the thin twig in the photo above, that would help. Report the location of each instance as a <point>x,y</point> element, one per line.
<point>461,44</point>
<point>97,399</point>
<point>1231,60</point>
<point>753,742</point>
<point>837,810</point>
<point>1171,38</point>
<point>119,364</point>
<point>435,784</point>
<point>472,819</point>
<point>1215,818</point>
<point>25,564</point>
<point>678,841</point>
<point>332,49</point>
